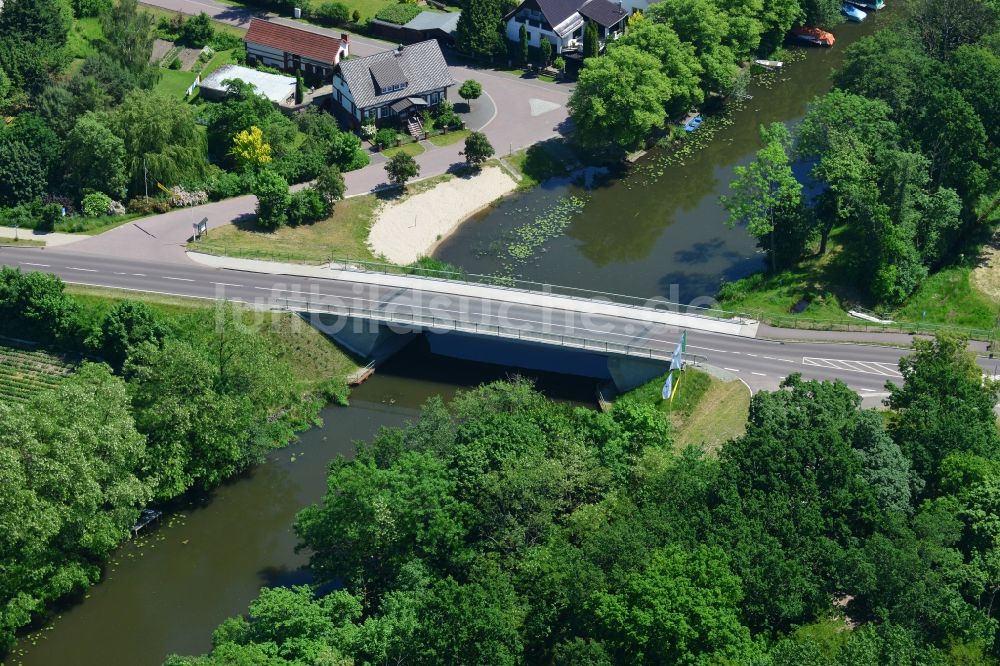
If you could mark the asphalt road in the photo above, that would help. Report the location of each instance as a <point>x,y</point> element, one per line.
<point>762,364</point>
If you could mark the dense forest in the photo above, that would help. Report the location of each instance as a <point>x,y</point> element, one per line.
<point>162,404</point>
<point>506,528</point>
<point>97,137</point>
<point>904,149</point>
<point>904,153</point>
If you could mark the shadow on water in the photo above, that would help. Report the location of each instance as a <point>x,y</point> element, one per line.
<point>166,592</point>
<point>659,228</point>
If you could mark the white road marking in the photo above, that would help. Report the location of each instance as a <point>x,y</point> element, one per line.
<point>267,288</point>
<point>759,374</point>
<point>867,390</point>
<point>863,367</point>
<point>28,263</point>
<point>226,284</point>
<point>85,270</point>
<point>117,273</point>
<point>749,354</point>
<point>167,277</point>
<point>720,351</point>
<point>139,274</point>
<point>731,369</point>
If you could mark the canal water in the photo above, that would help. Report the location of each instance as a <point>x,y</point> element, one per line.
<point>657,229</point>
<point>167,592</point>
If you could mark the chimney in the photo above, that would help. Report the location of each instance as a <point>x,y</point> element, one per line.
<point>344,37</point>
<point>399,49</point>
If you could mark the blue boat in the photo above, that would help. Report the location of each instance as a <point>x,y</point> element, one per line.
<point>693,124</point>
<point>868,4</point>
<point>853,13</point>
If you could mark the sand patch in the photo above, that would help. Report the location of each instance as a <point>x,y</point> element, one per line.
<point>409,229</point>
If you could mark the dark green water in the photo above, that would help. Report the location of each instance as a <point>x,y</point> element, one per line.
<point>657,230</point>
<point>639,234</point>
<point>167,593</point>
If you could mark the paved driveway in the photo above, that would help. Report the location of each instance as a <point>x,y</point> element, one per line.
<point>523,112</point>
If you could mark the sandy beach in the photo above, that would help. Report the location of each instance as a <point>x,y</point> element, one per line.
<point>405,231</point>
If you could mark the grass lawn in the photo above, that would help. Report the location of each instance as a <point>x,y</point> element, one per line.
<point>159,12</point>
<point>22,242</point>
<point>536,164</point>
<point>449,138</point>
<point>313,358</point>
<point>950,297</point>
<point>83,34</point>
<point>705,410</point>
<point>411,149</point>
<point>174,83</point>
<point>819,287</point>
<point>343,234</point>
<point>218,60</point>
<point>92,226</point>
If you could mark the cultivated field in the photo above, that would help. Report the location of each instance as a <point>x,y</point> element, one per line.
<point>25,373</point>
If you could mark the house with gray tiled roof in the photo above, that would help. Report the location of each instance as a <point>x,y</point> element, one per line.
<point>562,22</point>
<point>392,85</point>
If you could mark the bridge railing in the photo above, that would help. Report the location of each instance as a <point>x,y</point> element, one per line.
<point>514,284</point>
<point>436,323</point>
<point>662,304</point>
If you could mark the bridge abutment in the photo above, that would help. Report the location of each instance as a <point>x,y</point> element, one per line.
<point>627,373</point>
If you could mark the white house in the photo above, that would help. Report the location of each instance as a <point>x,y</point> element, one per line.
<point>393,84</point>
<point>294,49</point>
<point>562,22</point>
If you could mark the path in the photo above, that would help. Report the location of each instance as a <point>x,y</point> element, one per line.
<point>761,363</point>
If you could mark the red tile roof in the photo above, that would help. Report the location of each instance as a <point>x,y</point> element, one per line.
<point>305,43</point>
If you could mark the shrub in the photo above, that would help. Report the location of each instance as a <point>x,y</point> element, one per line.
<point>307,206</point>
<point>359,161</point>
<point>398,13</point>
<point>333,13</point>
<point>148,205</point>
<point>95,204</point>
<point>182,197</point>
<point>300,165</point>
<point>224,185</point>
<point>386,137</point>
<point>84,8</point>
<point>197,31</point>
<point>368,130</point>
<point>273,199</point>
<point>356,16</point>
<point>226,41</point>
<point>175,63</point>
<point>64,202</point>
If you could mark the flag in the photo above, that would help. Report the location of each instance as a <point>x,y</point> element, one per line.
<point>668,386</point>
<point>676,361</point>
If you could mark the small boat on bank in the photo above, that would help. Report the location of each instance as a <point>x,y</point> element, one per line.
<point>693,124</point>
<point>853,13</point>
<point>868,4</point>
<point>814,36</point>
<point>770,64</point>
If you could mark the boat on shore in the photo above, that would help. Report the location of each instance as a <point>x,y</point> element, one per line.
<point>868,4</point>
<point>813,36</point>
<point>853,13</point>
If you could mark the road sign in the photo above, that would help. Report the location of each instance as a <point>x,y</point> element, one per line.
<point>200,227</point>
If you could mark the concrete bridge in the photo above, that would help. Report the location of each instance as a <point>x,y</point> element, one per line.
<point>543,327</point>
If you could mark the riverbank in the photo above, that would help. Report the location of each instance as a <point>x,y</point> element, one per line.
<point>706,411</point>
<point>410,228</point>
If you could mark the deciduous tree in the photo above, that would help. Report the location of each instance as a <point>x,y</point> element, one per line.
<point>401,168</point>
<point>619,98</point>
<point>765,191</point>
<point>478,149</point>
